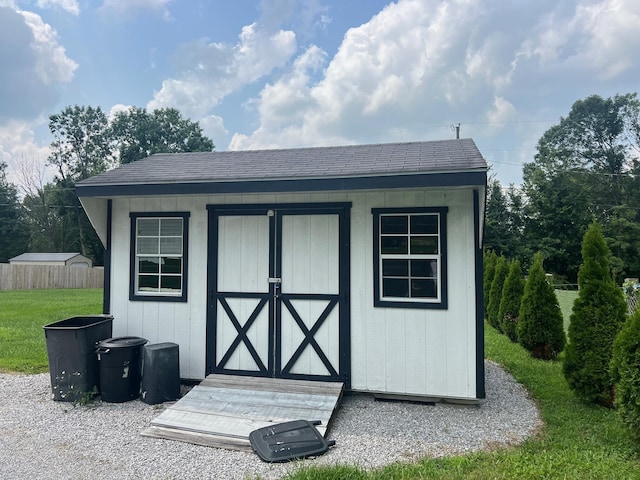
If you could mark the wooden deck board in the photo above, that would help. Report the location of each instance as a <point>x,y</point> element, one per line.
<point>224,409</point>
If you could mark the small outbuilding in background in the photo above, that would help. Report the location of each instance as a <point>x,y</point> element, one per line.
<point>58,259</point>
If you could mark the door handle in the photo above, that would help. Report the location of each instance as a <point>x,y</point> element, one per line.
<point>275,281</point>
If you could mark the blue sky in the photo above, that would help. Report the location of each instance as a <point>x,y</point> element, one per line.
<point>285,73</point>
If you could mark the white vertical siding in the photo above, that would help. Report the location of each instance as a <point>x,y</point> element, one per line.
<point>243,266</point>
<point>310,259</point>
<point>412,351</point>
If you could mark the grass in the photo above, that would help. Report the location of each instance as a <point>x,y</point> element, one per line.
<point>565,300</point>
<point>23,313</point>
<point>578,441</point>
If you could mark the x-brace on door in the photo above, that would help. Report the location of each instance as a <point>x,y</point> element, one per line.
<point>279,291</point>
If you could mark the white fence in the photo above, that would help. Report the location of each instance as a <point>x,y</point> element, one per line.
<point>633,301</point>
<point>29,277</point>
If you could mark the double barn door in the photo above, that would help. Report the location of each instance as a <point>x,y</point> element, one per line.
<point>279,288</point>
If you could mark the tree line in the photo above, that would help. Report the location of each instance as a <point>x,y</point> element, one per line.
<point>48,217</point>
<point>586,168</point>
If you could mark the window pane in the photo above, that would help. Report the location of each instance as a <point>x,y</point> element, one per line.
<point>148,265</point>
<point>393,224</point>
<point>171,246</point>
<point>424,268</point>
<point>171,265</point>
<point>395,268</point>
<point>148,246</point>
<point>395,287</point>
<point>424,224</point>
<point>148,283</point>
<point>148,226</point>
<point>424,245</point>
<point>171,284</point>
<point>397,245</point>
<point>171,227</point>
<point>424,288</point>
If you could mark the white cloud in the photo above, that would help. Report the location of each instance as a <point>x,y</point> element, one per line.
<point>18,147</point>
<point>213,127</point>
<point>419,66</point>
<point>52,64</point>
<point>286,102</point>
<point>501,112</point>
<point>210,71</point>
<point>131,8</point>
<point>611,29</point>
<point>70,6</point>
<point>389,67</point>
<point>117,108</point>
<point>34,65</point>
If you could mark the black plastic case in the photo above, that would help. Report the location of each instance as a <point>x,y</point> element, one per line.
<point>288,441</point>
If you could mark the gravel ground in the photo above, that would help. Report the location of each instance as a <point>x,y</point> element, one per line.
<point>43,439</point>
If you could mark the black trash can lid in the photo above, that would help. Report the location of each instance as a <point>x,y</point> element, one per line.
<point>287,441</point>
<point>122,342</point>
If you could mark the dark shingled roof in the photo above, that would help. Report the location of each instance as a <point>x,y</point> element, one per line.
<point>323,165</point>
<point>337,162</point>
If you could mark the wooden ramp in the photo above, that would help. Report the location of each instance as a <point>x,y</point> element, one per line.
<point>223,409</point>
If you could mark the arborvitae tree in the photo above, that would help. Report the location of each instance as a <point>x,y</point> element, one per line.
<point>495,294</point>
<point>625,373</point>
<point>540,328</point>
<point>511,299</point>
<point>489,260</point>
<point>598,314</point>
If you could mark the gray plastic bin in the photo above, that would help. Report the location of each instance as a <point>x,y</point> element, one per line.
<point>71,344</point>
<point>160,373</point>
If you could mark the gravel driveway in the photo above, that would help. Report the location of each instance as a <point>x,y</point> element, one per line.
<point>43,439</point>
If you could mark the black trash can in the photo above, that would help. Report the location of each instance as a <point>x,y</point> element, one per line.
<point>120,362</point>
<point>160,373</point>
<point>71,345</point>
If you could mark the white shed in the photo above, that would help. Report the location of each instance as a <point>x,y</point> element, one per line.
<point>357,264</point>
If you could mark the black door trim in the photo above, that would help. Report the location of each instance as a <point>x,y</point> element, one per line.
<point>341,300</point>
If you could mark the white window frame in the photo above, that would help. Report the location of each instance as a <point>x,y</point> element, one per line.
<point>135,292</point>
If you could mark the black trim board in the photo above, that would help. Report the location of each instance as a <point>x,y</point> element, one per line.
<point>106,291</point>
<point>460,179</point>
<point>480,374</point>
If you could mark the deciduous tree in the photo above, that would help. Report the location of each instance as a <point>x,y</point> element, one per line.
<point>13,232</point>
<point>139,134</point>
<point>583,169</point>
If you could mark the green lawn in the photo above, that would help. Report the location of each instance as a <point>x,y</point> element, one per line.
<point>578,441</point>
<point>23,313</point>
<point>565,300</point>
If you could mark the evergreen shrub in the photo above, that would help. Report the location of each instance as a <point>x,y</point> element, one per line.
<point>625,373</point>
<point>540,329</point>
<point>495,294</point>
<point>598,314</point>
<point>511,299</point>
<point>489,260</point>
